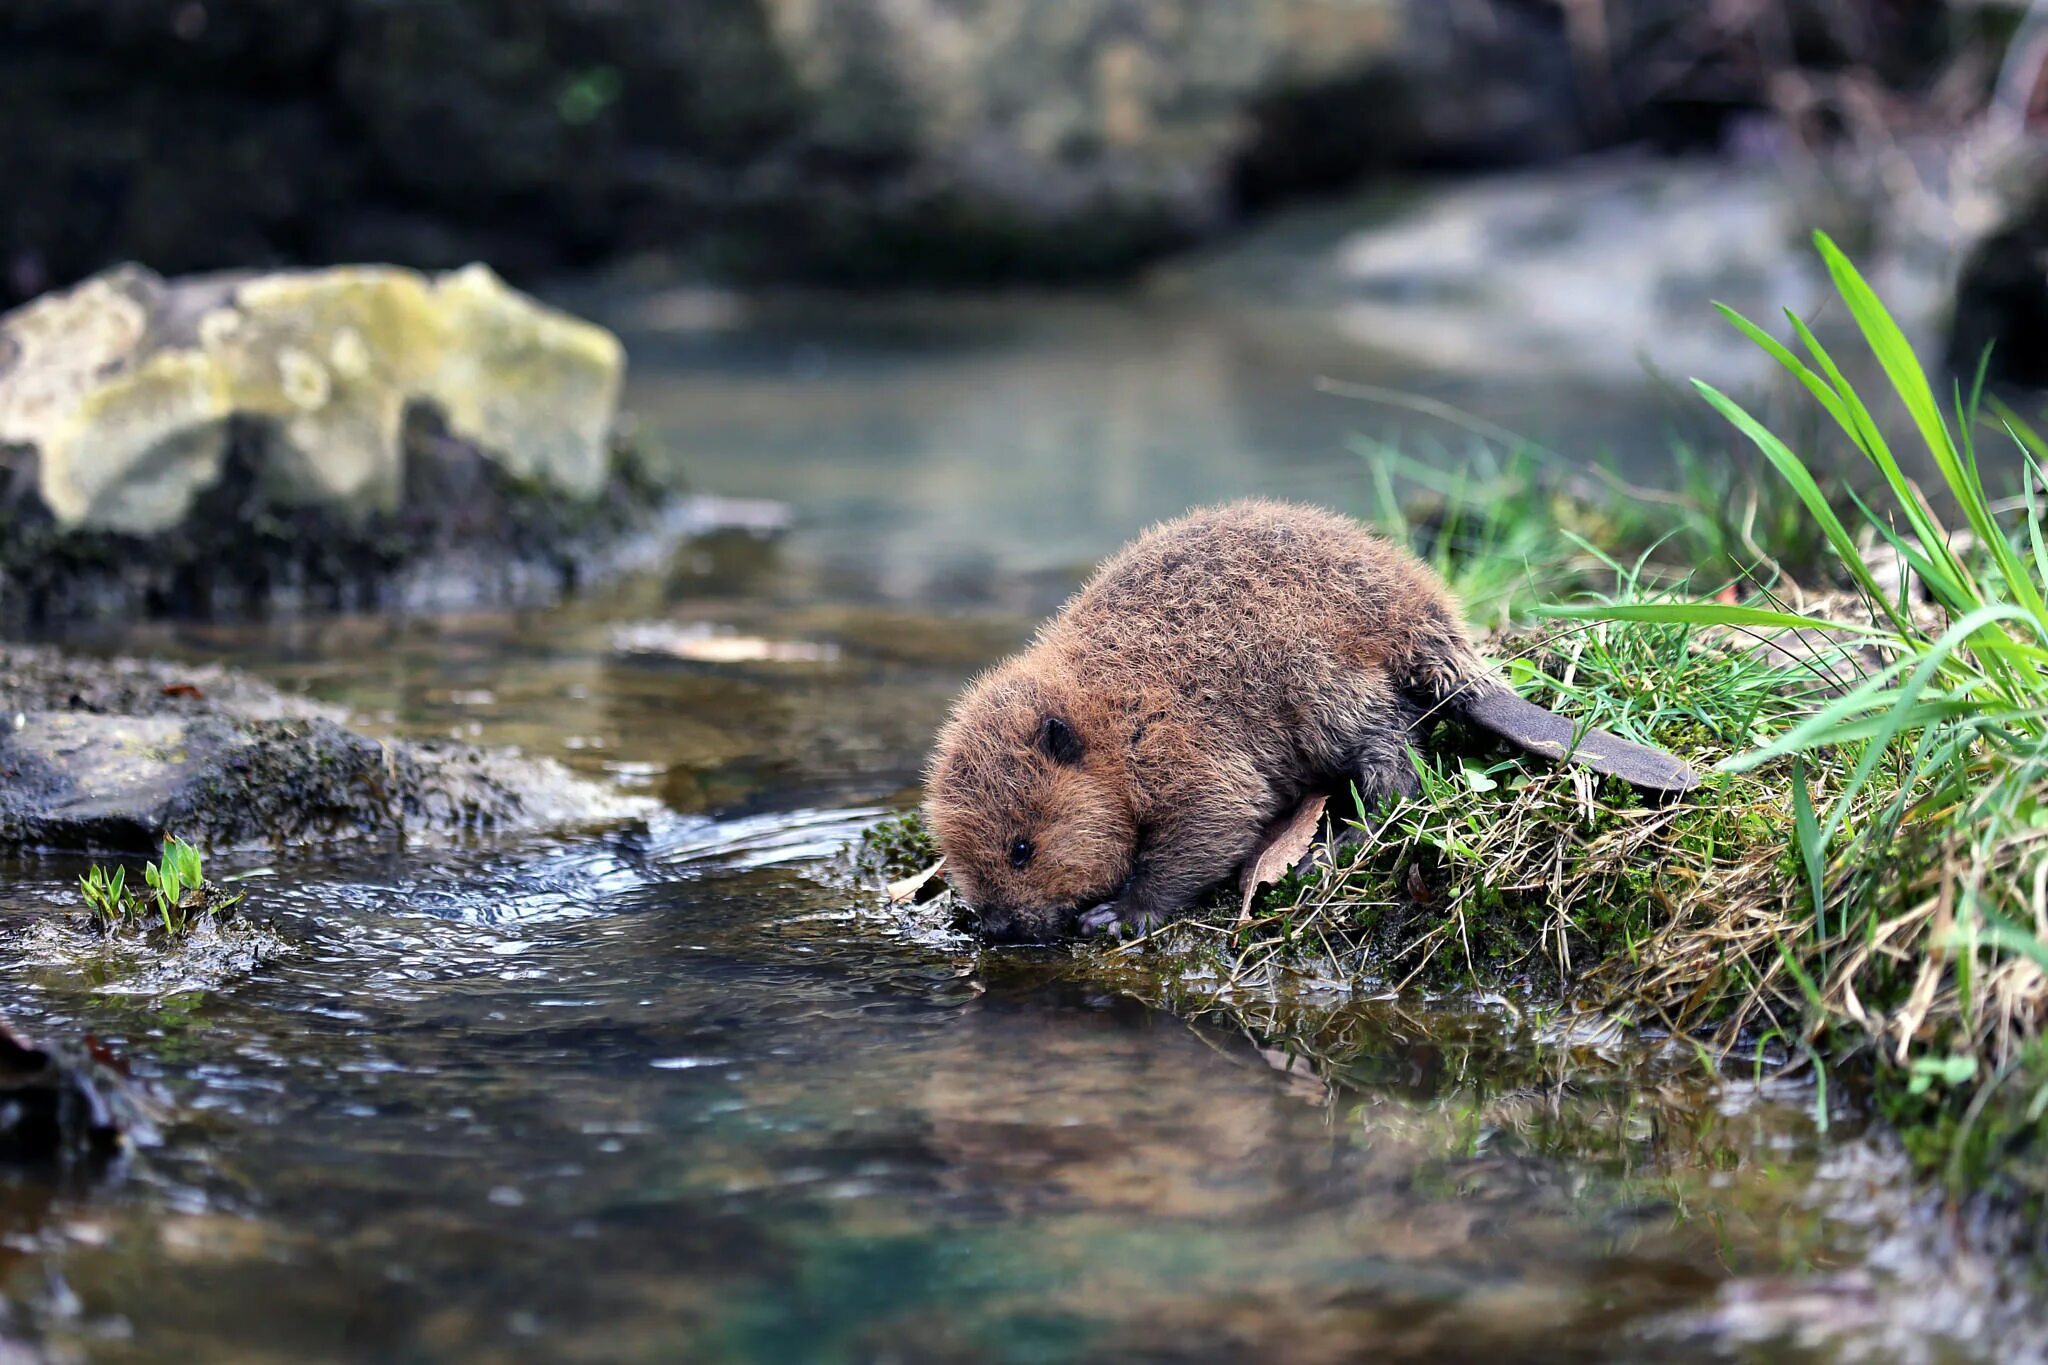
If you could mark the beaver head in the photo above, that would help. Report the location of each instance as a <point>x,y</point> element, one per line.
<point>1030,807</point>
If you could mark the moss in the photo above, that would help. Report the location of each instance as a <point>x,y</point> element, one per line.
<point>489,528</point>
<point>896,848</point>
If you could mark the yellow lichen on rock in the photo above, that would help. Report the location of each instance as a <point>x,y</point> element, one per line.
<point>536,386</point>
<point>57,345</point>
<point>114,439</point>
<point>124,385</point>
<point>143,441</point>
<point>342,431</point>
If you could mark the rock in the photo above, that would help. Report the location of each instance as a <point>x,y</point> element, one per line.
<point>53,1107</point>
<point>350,438</point>
<point>536,387</point>
<point>2000,284</point>
<point>1072,113</point>
<point>124,387</point>
<point>64,1112</point>
<point>115,754</point>
<point>1575,272</point>
<point>467,534</point>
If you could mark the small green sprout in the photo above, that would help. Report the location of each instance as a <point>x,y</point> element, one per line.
<point>105,893</point>
<point>1948,1072</point>
<point>179,896</point>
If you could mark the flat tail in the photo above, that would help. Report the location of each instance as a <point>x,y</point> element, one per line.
<point>1528,726</point>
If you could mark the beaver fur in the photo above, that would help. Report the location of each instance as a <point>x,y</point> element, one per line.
<point>1208,676</point>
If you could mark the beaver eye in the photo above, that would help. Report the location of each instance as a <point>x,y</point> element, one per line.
<point>1020,852</point>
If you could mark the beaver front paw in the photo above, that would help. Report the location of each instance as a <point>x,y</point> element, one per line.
<point>1105,918</point>
<point>1117,921</point>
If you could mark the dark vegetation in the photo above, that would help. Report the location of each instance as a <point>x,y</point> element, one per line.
<point>462,522</point>
<point>755,139</point>
<point>54,1107</point>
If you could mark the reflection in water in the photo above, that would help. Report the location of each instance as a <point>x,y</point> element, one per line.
<point>662,1093</point>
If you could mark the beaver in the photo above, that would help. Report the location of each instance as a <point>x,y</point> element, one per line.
<point>1208,676</point>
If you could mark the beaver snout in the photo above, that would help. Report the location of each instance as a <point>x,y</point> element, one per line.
<point>1000,924</point>
<point>1009,924</point>
<point>997,924</point>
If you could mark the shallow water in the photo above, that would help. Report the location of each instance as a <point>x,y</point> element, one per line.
<point>663,1092</point>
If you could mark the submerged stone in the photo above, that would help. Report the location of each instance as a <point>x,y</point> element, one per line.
<point>52,1106</point>
<point>116,754</point>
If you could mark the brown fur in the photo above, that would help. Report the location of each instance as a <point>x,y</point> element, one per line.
<point>1212,672</point>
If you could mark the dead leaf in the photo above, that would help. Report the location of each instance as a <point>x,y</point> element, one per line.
<point>1418,886</point>
<point>905,891</point>
<point>1281,851</point>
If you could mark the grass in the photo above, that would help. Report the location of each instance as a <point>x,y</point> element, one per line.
<point>1864,883</point>
<point>177,895</point>
<point>1860,889</point>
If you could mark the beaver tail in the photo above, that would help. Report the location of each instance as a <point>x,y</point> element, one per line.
<point>1494,707</point>
<point>1448,677</point>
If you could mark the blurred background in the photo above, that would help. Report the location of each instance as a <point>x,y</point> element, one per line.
<point>895,142</point>
<point>980,285</point>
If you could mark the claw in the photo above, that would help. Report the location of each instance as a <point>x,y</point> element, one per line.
<point>1102,919</point>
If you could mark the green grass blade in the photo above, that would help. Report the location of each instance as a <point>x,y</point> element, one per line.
<point>1793,470</point>
<point>1868,436</point>
<point>1812,844</point>
<point>2001,932</point>
<point>1951,592</point>
<point>1823,727</point>
<point>1701,614</point>
<point>1888,343</point>
<point>1822,390</point>
<point>2036,542</point>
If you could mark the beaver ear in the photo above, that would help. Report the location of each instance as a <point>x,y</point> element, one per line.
<point>1058,742</point>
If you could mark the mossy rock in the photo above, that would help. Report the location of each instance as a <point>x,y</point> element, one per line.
<point>124,386</point>
<point>117,754</point>
<point>327,438</point>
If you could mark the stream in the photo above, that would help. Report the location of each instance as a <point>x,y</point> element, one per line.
<point>668,1092</point>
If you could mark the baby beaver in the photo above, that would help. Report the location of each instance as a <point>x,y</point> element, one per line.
<point>1211,674</point>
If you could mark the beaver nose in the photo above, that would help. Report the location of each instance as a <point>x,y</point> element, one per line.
<point>998,922</point>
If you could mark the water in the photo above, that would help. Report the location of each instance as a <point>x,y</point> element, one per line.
<point>664,1093</point>
<point>959,452</point>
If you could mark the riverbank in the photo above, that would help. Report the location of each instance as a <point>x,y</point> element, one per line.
<point>1853,895</point>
